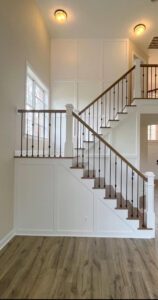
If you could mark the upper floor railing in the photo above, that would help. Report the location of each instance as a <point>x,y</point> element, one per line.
<point>110,103</point>
<point>149,81</point>
<point>141,81</point>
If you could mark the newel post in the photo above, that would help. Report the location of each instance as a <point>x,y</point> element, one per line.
<point>68,152</point>
<point>137,79</point>
<point>150,210</point>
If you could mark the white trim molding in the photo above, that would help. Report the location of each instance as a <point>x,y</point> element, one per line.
<point>7,238</point>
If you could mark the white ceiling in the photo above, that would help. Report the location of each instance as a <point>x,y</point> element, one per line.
<point>102,19</point>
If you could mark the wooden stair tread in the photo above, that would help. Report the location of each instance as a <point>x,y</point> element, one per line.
<point>110,192</point>
<point>88,141</point>
<point>86,177</point>
<point>89,174</point>
<point>122,113</point>
<point>145,228</point>
<point>99,183</point>
<point>77,167</point>
<point>133,213</point>
<point>108,127</point>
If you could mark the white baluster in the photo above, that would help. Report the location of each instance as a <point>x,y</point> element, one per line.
<point>69,131</point>
<point>150,211</point>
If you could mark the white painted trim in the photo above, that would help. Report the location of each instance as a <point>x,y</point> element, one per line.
<point>30,70</point>
<point>134,52</point>
<point>138,234</point>
<point>48,233</point>
<point>7,239</point>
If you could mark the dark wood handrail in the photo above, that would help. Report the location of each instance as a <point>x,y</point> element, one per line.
<point>111,148</point>
<point>41,111</point>
<point>153,90</point>
<point>107,90</point>
<point>149,65</point>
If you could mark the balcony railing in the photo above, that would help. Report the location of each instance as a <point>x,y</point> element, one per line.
<point>43,133</point>
<point>149,81</point>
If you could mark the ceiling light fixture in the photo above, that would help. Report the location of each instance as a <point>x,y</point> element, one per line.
<point>139,29</point>
<point>60,15</point>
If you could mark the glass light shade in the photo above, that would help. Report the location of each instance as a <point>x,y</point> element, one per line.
<point>60,15</point>
<point>139,29</point>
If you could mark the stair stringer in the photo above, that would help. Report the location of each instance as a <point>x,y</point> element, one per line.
<point>107,220</point>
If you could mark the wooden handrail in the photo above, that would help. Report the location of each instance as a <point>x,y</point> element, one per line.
<point>153,90</point>
<point>107,90</point>
<point>41,111</point>
<point>149,65</point>
<point>111,148</point>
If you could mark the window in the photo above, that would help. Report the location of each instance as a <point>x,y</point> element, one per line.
<point>36,99</point>
<point>152,132</point>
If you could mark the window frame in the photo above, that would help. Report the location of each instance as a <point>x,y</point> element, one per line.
<point>36,82</point>
<point>149,133</point>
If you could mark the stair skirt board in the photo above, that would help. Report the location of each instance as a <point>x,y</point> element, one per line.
<point>111,203</point>
<point>128,110</point>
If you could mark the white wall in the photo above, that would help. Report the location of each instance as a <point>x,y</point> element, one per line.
<point>153,56</point>
<point>23,37</point>
<point>83,68</point>
<point>134,50</point>
<point>124,138</point>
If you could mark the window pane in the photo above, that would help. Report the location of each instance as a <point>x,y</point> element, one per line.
<point>29,96</point>
<point>39,92</point>
<point>28,107</point>
<point>36,99</point>
<point>46,100</point>
<point>39,104</point>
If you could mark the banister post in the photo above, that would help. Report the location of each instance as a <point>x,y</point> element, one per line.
<point>137,79</point>
<point>150,211</point>
<point>68,151</point>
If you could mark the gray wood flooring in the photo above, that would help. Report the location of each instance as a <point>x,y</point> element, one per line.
<point>79,268</point>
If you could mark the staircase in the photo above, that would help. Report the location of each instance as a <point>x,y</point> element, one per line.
<point>110,172</point>
<point>104,169</point>
<point>98,119</point>
<point>136,87</point>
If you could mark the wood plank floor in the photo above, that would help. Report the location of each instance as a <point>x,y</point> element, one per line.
<point>79,268</point>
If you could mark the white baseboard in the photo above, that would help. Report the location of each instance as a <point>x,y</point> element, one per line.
<point>7,239</point>
<point>138,234</point>
<point>149,234</point>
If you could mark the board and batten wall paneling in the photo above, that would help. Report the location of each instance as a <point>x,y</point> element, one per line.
<point>83,68</point>
<point>115,60</point>
<point>74,203</point>
<point>51,199</point>
<point>34,195</point>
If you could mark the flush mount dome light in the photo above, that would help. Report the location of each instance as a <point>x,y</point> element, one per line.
<point>139,29</point>
<point>60,15</point>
